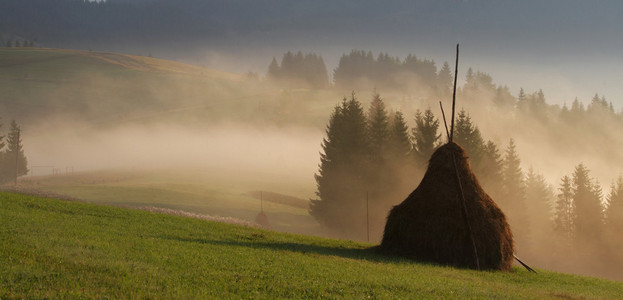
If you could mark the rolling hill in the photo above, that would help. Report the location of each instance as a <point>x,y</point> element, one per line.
<point>57,249</point>
<point>38,86</point>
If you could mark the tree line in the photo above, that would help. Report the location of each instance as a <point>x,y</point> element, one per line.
<point>299,70</point>
<point>17,43</point>
<point>373,156</point>
<point>361,70</point>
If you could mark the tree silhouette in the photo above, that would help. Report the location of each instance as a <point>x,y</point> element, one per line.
<point>343,170</point>
<point>425,135</point>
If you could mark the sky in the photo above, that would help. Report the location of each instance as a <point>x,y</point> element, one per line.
<point>567,48</point>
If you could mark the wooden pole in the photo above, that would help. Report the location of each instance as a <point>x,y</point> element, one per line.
<point>17,157</point>
<point>465,215</point>
<point>262,201</point>
<point>456,72</point>
<point>367,217</point>
<point>444,121</point>
<point>524,265</point>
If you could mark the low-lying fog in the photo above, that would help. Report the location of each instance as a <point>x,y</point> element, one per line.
<point>290,154</point>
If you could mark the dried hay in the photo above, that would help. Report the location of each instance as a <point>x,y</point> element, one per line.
<point>429,224</point>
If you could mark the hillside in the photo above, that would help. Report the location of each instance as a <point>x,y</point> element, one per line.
<point>53,248</point>
<point>100,87</point>
<point>38,86</point>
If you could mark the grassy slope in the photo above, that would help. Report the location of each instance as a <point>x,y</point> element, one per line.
<point>109,88</point>
<point>213,193</point>
<point>52,248</point>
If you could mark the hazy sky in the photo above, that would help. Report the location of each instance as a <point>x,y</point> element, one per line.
<point>567,48</point>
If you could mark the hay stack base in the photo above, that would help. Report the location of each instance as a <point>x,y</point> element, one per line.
<point>429,224</point>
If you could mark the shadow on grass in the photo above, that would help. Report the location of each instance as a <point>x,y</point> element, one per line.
<point>368,254</point>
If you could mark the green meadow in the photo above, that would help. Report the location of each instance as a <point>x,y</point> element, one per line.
<point>63,249</point>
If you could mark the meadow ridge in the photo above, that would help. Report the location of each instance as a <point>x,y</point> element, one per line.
<point>57,249</point>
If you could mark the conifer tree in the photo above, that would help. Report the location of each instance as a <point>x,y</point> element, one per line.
<point>490,170</point>
<point>425,134</point>
<point>15,162</point>
<point>378,128</point>
<point>587,203</point>
<point>341,177</point>
<point>399,142</point>
<point>513,201</point>
<point>539,195</point>
<point>614,212</point>
<point>564,216</point>
<point>444,81</point>
<point>380,174</point>
<point>468,136</point>
<point>274,70</point>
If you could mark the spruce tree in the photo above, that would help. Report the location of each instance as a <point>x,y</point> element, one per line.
<point>342,176</point>
<point>378,128</point>
<point>15,162</point>
<point>614,212</point>
<point>564,216</point>
<point>274,70</point>
<point>425,135</point>
<point>587,203</point>
<point>490,170</point>
<point>399,142</point>
<point>513,201</point>
<point>467,134</point>
<point>444,81</point>
<point>381,175</point>
<point>539,196</point>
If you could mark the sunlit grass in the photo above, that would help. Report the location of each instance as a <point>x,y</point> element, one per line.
<point>53,248</point>
<point>214,194</point>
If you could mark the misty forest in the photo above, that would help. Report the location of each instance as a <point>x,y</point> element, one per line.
<point>219,111</point>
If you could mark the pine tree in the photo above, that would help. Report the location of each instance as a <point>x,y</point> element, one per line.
<point>444,81</point>
<point>341,179</point>
<point>378,128</point>
<point>399,142</point>
<point>402,166</point>
<point>513,201</point>
<point>614,212</point>
<point>15,162</point>
<point>512,177</point>
<point>490,170</point>
<point>468,136</point>
<point>425,134</point>
<point>564,216</point>
<point>381,175</point>
<point>587,203</point>
<point>539,195</point>
<point>274,70</point>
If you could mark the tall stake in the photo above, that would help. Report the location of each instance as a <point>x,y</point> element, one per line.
<point>465,215</point>
<point>367,218</point>
<point>17,157</point>
<point>443,114</point>
<point>456,72</point>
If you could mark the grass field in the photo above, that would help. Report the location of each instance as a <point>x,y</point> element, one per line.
<point>105,89</point>
<point>55,249</point>
<point>213,193</point>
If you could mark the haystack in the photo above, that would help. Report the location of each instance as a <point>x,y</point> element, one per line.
<point>430,224</point>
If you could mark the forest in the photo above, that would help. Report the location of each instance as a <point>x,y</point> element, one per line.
<point>371,158</point>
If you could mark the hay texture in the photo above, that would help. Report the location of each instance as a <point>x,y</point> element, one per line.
<point>429,224</point>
